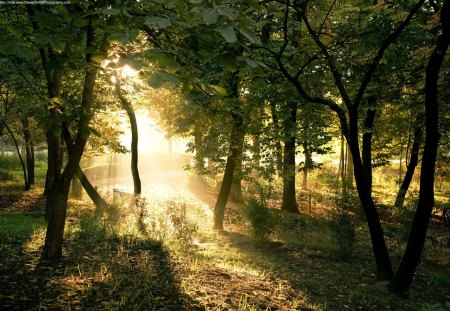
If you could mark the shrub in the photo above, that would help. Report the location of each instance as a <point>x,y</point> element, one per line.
<point>342,226</point>
<point>183,228</point>
<point>5,176</point>
<point>262,221</point>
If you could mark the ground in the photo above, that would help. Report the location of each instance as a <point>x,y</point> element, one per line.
<point>294,268</point>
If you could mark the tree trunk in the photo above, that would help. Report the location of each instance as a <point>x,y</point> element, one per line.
<point>99,202</point>
<point>341,159</point>
<point>367,140</point>
<point>307,165</point>
<point>29,150</point>
<point>128,107</point>
<point>80,178</point>
<point>412,163</point>
<point>349,170</point>
<point>59,183</point>
<point>211,171</point>
<point>198,142</point>
<point>22,163</point>
<point>236,184</point>
<point>76,189</point>
<point>383,262</point>
<point>278,148</point>
<point>57,201</point>
<point>236,140</point>
<point>405,273</point>
<point>289,203</point>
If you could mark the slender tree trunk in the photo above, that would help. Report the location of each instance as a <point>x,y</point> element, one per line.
<point>289,203</point>
<point>29,150</point>
<point>211,170</point>
<point>236,184</point>
<point>236,140</point>
<point>76,188</point>
<point>22,163</point>
<point>367,140</point>
<point>198,142</point>
<point>405,273</point>
<point>81,179</point>
<point>412,163</point>
<point>383,262</point>
<point>99,202</point>
<point>341,159</point>
<point>349,170</point>
<point>307,165</point>
<point>128,107</point>
<point>278,148</point>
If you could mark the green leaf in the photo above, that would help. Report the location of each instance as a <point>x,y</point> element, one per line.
<point>99,56</point>
<point>162,22</point>
<point>250,37</point>
<point>155,80</point>
<point>210,16</point>
<point>118,38</point>
<point>111,11</point>
<point>7,49</point>
<point>218,90</point>
<point>227,12</point>
<point>170,77</point>
<point>167,61</point>
<point>57,44</point>
<point>228,33</point>
<point>251,62</point>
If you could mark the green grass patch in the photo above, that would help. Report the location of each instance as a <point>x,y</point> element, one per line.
<point>17,229</point>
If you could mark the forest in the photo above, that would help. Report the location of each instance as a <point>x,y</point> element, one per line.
<point>225,155</point>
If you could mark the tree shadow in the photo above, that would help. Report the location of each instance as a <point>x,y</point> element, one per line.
<point>96,273</point>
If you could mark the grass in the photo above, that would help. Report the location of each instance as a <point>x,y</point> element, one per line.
<point>152,260</point>
<point>16,229</point>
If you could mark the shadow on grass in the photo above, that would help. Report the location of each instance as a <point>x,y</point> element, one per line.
<point>98,272</point>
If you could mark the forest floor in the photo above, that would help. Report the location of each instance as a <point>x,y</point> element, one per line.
<point>127,266</point>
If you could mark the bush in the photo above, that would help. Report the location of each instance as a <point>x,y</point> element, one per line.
<point>262,221</point>
<point>5,176</point>
<point>9,161</point>
<point>342,226</point>
<point>183,228</point>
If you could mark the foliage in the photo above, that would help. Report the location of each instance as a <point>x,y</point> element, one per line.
<point>183,228</point>
<point>6,176</point>
<point>342,225</point>
<point>262,220</point>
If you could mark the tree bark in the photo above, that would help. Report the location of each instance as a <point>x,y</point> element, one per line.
<point>278,148</point>
<point>22,163</point>
<point>59,183</point>
<point>128,107</point>
<point>198,142</point>
<point>289,203</point>
<point>307,165</point>
<point>349,170</point>
<point>412,163</point>
<point>29,150</point>
<point>367,140</point>
<point>405,273</point>
<point>383,262</point>
<point>236,140</point>
<point>236,184</point>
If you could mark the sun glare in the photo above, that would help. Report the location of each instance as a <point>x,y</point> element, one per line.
<point>127,72</point>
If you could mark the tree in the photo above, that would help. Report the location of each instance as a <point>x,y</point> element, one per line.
<point>405,273</point>
<point>348,117</point>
